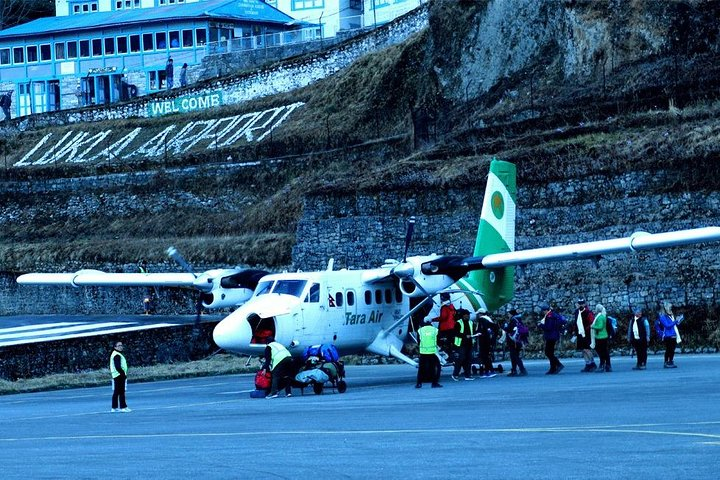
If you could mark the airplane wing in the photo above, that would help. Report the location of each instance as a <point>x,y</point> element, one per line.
<point>96,278</point>
<point>639,241</point>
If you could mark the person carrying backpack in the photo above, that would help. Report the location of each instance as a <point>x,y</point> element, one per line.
<point>600,332</point>
<point>515,337</point>
<point>639,337</point>
<point>552,324</point>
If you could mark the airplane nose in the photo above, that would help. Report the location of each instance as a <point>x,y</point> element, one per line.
<point>232,333</point>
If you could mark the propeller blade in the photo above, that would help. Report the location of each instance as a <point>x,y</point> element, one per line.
<point>408,236</point>
<point>175,255</point>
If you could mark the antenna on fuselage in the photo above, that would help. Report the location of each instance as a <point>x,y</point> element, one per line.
<point>408,236</point>
<point>331,264</point>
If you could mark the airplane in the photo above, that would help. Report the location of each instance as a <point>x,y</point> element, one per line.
<point>371,310</point>
<point>217,288</point>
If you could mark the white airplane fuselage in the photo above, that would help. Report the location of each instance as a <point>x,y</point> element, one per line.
<point>302,309</point>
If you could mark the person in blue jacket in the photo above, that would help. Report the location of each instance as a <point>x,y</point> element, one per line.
<point>669,333</point>
<point>552,324</point>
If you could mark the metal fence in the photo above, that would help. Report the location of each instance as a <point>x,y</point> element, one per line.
<point>279,39</point>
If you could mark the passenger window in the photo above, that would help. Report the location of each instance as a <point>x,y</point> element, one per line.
<point>339,299</point>
<point>350,298</point>
<point>378,297</point>
<point>314,294</point>
<point>388,296</point>
<point>398,295</point>
<point>368,297</point>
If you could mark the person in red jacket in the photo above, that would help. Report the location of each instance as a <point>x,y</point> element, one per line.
<point>446,324</point>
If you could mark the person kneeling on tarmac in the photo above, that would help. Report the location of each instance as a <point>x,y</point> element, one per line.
<point>278,361</point>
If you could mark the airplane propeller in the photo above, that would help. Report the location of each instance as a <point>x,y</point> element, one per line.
<point>175,255</point>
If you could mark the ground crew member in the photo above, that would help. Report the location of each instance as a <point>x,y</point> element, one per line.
<point>429,363</point>
<point>463,344</point>
<point>278,361</point>
<point>119,371</point>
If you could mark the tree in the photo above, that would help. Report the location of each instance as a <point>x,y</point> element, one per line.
<point>15,12</point>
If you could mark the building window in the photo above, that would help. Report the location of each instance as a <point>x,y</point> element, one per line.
<point>4,56</point>
<point>147,40</point>
<point>187,38</point>
<point>122,44</point>
<point>32,54</point>
<point>161,40</point>
<point>307,4</point>
<point>60,51</point>
<point>200,37</point>
<point>110,46</point>
<point>18,55</point>
<point>97,47</point>
<point>72,50</point>
<point>156,80</point>
<point>175,39</point>
<point>45,53</point>
<point>134,43</point>
<point>84,48</point>
<point>171,2</point>
<point>126,4</point>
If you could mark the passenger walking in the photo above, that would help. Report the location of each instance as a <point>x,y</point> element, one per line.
<point>278,361</point>
<point>580,328</point>
<point>169,73</point>
<point>602,347</point>
<point>669,333</point>
<point>515,340</point>
<point>119,372</point>
<point>486,333</point>
<point>429,364</point>
<point>639,337</point>
<point>183,75</point>
<point>5,103</point>
<point>552,324</point>
<point>462,353</point>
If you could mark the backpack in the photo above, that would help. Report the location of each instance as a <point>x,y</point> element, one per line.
<point>523,332</point>
<point>611,326</point>
<point>263,379</point>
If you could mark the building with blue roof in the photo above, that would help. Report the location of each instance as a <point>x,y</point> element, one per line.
<point>102,51</point>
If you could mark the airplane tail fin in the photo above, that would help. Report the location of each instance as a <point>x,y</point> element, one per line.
<point>496,234</point>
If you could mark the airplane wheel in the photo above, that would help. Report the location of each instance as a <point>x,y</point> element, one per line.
<point>318,388</point>
<point>342,386</point>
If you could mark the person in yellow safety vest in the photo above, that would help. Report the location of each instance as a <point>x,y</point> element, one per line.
<point>119,371</point>
<point>429,363</point>
<point>278,361</point>
<point>462,353</point>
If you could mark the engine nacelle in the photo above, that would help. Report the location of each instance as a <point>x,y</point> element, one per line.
<point>226,297</point>
<point>430,283</point>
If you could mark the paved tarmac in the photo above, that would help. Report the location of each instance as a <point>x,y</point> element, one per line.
<point>23,329</point>
<point>656,423</point>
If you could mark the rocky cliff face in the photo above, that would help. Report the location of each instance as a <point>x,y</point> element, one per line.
<point>608,109</point>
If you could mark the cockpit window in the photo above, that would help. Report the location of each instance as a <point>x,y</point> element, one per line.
<point>263,288</point>
<point>290,287</point>
<point>314,295</point>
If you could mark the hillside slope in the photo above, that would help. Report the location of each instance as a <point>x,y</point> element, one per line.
<point>609,109</point>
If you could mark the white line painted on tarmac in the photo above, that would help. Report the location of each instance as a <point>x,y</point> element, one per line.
<point>88,334</point>
<point>324,432</point>
<point>60,330</point>
<point>39,326</point>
